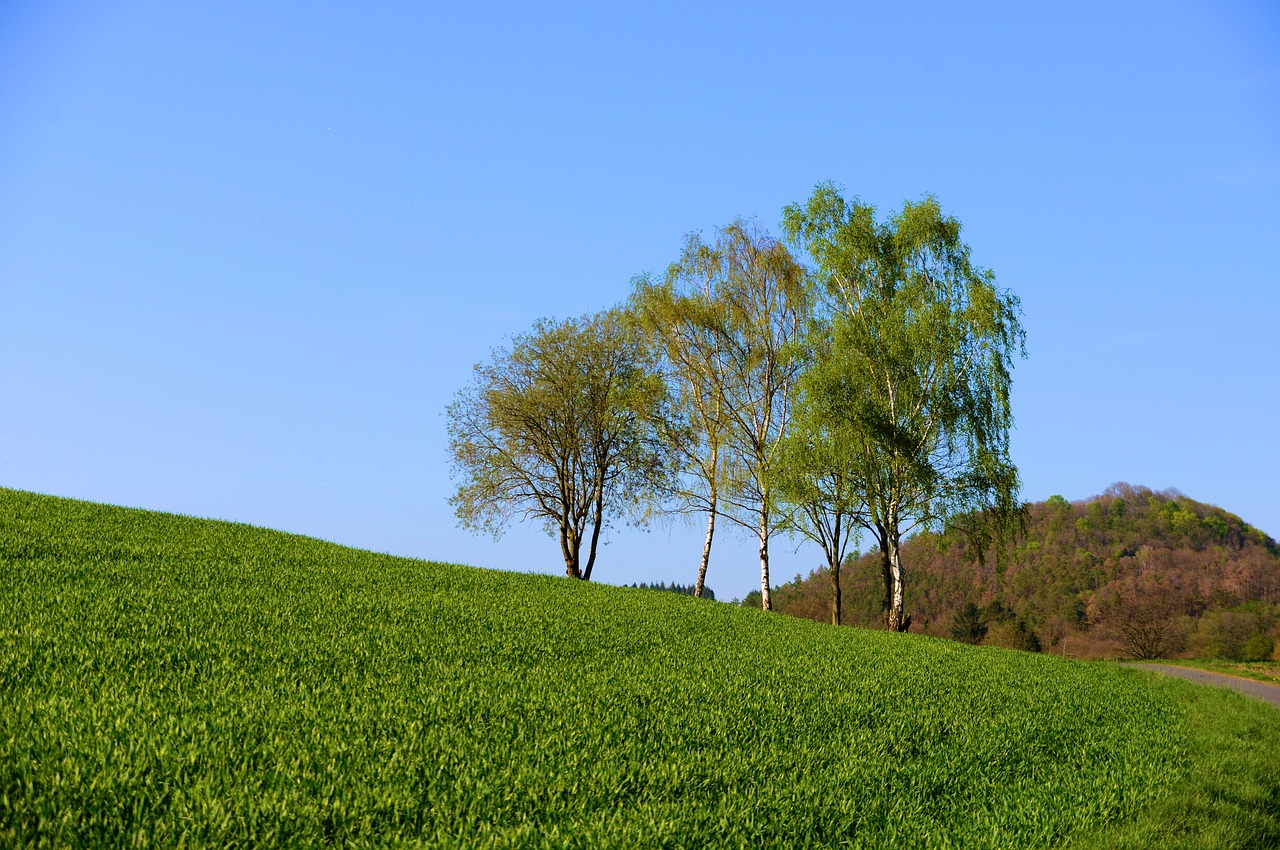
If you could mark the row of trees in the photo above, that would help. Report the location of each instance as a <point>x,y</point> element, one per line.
<point>683,589</point>
<point>866,390</point>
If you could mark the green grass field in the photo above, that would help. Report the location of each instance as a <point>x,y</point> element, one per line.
<point>166,681</point>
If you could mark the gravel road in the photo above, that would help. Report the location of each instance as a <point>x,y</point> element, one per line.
<point>1261,690</point>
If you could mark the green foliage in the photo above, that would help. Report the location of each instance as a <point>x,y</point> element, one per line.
<point>968,625</point>
<point>682,589</point>
<point>730,315</point>
<point>560,428</point>
<point>1118,508</point>
<point>816,478</point>
<point>1257,648</point>
<point>1237,634</point>
<point>1004,628</point>
<point>913,352</point>
<point>685,318</point>
<point>727,319</point>
<point>1013,634</point>
<point>167,681</point>
<point>1217,526</point>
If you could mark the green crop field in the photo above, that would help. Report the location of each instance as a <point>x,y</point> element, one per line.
<point>166,681</point>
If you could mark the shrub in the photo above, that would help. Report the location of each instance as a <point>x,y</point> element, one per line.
<point>1224,634</point>
<point>1013,634</point>
<point>1257,648</point>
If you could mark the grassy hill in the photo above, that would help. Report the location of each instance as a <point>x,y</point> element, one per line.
<point>170,681</point>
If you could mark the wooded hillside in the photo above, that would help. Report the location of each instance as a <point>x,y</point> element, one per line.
<point>1132,572</point>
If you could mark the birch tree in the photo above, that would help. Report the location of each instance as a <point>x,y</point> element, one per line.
<point>745,296</point>
<point>682,315</point>
<point>559,428</point>
<point>919,348</point>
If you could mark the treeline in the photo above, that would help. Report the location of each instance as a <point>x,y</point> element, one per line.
<point>852,374</point>
<point>1132,572</point>
<point>683,589</point>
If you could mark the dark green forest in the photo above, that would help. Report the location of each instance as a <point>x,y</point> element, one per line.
<point>1130,573</point>
<point>683,589</point>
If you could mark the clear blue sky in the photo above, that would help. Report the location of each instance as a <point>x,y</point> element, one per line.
<point>249,251</point>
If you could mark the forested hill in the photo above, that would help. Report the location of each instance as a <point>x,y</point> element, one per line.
<point>1130,572</point>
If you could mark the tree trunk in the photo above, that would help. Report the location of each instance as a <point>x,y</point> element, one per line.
<point>833,556</point>
<point>896,621</point>
<point>598,520</point>
<point>706,551</point>
<point>766,602</point>
<point>570,548</point>
<point>591,553</point>
<point>835,591</point>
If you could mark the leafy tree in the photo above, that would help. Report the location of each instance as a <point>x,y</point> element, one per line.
<point>1003,627</point>
<point>918,351</point>
<point>1217,526</point>
<point>737,308</point>
<point>1236,634</point>
<point>816,478</point>
<point>685,316</point>
<point>560,428</point>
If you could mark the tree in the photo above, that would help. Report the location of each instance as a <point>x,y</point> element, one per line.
<point>560,428</point>
<point>918,347</point>
<point>684,316</point>
<point>816,478</point>
<point>969,624</point>
<point>749,311</point>
<point>1145,614</point>
<point>1003,627</point>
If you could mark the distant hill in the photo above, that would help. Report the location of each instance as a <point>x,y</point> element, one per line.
<point>1131,572</point>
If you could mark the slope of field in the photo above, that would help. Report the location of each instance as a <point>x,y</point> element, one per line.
<point>168,681</point>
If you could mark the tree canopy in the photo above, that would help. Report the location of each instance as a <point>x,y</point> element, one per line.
<point>817,477</point>
<point>560,428</point>
<point>915,352</point>
<point>867,391</point>
<point>685,316</point>
<point>737,308</point>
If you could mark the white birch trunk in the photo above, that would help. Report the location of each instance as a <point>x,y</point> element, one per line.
<point>766,602</point>
<point>706,551</point>
<point>897,599</point>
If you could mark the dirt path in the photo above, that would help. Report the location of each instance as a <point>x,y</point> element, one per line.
<point>1261,690</point>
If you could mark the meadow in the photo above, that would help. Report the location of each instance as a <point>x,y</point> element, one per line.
<point>168,681</point>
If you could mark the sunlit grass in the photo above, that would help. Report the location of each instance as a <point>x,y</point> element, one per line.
<point>167,681</point>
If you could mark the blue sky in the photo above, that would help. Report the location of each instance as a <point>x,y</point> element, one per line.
<point>248,255</point>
